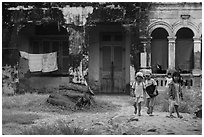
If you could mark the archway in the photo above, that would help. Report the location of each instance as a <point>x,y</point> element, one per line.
<point>184,50</point>
<point>159,50</point>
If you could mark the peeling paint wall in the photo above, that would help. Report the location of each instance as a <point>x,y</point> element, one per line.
<point>94,62</point>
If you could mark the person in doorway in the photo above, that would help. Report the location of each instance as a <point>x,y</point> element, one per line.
<point>175,94</point>
<point>151,91</point>
<point>139,92</point>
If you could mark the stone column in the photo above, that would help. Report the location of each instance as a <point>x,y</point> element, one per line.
<point>172,52</point>
<point>197,56</point>
<point>148,50</point>
<point>143,56</point>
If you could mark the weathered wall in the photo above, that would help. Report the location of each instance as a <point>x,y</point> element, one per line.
<point>169,16</point>
<point>94,62</point>
<point>47,82</point>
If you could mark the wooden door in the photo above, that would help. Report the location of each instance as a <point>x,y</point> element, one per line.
<point>112,73</point>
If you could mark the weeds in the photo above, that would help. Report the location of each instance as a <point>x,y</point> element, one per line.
<point>18,118</point>
<point>40,130</point>
<point>22,101</point>
<point>61,128</point>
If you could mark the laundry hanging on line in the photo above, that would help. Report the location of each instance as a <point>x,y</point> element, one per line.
<point>35,62</point>
<point>24,54</point>
<point>41,62</point>
<point>49,62</point>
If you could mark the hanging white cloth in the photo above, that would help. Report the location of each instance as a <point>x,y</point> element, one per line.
<point>35,62</point>
<point>24,54</point>
<point>49,62</point>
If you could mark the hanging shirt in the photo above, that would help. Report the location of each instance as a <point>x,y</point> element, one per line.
<point>24,55</point>
<point>49,62</point>
<point>35,62</point>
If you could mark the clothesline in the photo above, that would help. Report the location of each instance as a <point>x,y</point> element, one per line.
<point>41,62</point>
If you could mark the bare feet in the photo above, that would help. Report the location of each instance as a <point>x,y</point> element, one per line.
<point>171,116</point>
<point>151,115</point>
<point>179,116</point>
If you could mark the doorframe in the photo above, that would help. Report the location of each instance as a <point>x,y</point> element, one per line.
<point>111,44</point>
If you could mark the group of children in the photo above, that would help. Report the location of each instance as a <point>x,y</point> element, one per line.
<point>145,90</point>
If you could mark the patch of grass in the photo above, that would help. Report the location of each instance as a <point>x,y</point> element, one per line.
<point>38,102</point>
<point>66,129</point>
<point>18,118</point>
<point>40,130</point>
<point>61,128</point>
<point>22,101</point>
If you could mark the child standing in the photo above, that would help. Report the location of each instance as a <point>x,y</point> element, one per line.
<point>175,93</point>
<point>168,79</point>
<point>138,87</point>
<point>151,90</point>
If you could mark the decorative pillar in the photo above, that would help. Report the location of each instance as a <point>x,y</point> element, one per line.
<point>197,56</point>
<point>148,49</point>
<point>171,52</point>
<point>143,55</point>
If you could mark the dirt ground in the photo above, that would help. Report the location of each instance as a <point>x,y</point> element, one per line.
<point>116,119</point>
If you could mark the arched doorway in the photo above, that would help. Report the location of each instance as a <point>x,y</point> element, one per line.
<point>159,50</point>
<point>184,50</point>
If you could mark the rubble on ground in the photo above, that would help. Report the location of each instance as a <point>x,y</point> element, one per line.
<point>72,96</point>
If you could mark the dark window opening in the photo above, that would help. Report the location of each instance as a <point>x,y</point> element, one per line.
<point>36,47</point>
<point>118,37</point>
<point>46,47</point>
<point>184,33</point>
<point>106,38</point>
<point>60,46</point>
<point>184,60</point>
<point>159,51</point>
<point>50,29</point>
<point>159,33</point>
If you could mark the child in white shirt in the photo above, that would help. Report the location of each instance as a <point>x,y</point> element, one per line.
<point>139,92</point>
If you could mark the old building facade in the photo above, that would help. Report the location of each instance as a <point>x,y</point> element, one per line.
<point>173,40</point>
<point>175,36</point>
